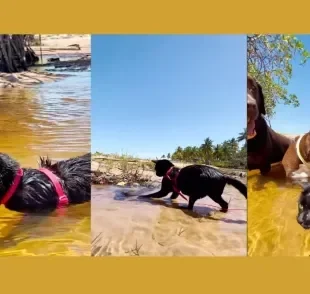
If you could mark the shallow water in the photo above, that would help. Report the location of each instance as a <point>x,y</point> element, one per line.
<point>124,226</point>
<point>51,119</point>
<point>272,210</point>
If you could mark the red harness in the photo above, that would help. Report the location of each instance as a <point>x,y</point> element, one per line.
<point>176,190</point>
<point>62,197</point>
<point>174,183</point>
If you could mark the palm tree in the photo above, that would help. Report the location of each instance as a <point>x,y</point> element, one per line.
<point>242,136</point>
<point>207,148</point>
<point>217,153</point>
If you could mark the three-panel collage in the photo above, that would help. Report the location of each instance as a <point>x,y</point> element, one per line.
<point>154,145</point>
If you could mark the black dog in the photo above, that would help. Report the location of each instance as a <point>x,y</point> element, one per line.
<point>264,145</point>
<point>195,181</point>
<point>32,190</point>
<point>303,216</point>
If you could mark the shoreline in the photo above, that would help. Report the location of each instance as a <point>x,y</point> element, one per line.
<point>134,173</point>
<point>52,45</point>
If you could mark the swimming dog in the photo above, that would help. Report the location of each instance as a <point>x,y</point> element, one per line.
<point>63,183</point>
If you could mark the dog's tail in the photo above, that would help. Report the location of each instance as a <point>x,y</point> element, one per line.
<point>242,188</point>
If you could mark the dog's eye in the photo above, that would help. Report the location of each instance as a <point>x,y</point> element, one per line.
<point>300,206</point>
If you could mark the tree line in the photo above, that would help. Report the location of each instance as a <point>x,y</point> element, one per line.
<point>270,61</point>
<point>227,154</point>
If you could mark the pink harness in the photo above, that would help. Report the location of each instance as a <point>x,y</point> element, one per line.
<point>62,197</point>
<point>174,183</point>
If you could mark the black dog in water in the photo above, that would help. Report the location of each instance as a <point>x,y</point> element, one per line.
<point>303,216</point>
<point>195,181</point>
<point>53,185</point>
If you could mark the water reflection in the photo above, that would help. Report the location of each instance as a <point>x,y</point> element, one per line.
<point>51,119</point>
<point>272,210</point>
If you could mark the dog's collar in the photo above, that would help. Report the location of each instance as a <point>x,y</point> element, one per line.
<point>13,187</point>
<point>307,164</point>
<point>62,197</point>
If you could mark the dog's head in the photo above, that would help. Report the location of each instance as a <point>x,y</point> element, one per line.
<point>255,105</point>
<point>162,166</point>
<point>303,217</point>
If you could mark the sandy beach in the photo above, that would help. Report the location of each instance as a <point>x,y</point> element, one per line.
<point>52,46</point>
<point>126,226</point>
<point>60,44</point>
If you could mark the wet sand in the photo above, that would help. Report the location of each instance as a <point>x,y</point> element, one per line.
<point>272,210</point>
<point>125,226</point>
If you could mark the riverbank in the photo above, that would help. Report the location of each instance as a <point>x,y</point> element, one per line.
<point>64,44</point>
<point>27,79</point>
<point>72,50</point>
<point>131,172</point>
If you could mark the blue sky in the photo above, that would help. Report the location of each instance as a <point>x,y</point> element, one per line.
<point>151,94</point>
<point>288,119</point>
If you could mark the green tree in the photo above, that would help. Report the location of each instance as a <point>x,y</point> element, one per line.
<point>178,154</point>
<point>217,152</point>
<point>207,149</point>
<point>242,136</point>
<point>168,156</point>
<point>270,63</point>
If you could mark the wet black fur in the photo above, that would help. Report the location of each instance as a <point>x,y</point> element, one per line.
<point>195,181</point>
<point>303,216</point>
<point>36,193</point>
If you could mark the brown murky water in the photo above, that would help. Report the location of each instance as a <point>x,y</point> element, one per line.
<point>125,226</point>
<point>272,210</point>
<point>52,119</point>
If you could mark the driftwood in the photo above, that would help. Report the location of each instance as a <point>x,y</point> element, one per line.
<point>71,48</point>
<point>81,62</point>
<point>15,53</point>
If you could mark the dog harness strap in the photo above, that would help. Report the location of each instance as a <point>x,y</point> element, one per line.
<point>174,183</point>
<point>13,187</point>
<point>307,164</point>
<point>62,197</point>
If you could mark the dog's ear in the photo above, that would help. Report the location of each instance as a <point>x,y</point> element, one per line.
<point>155,161</point>
<point>261,102</point>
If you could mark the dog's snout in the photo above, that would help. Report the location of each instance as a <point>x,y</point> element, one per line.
<point>251,106</point>
<point>304,219</point>
<point>252,110</point>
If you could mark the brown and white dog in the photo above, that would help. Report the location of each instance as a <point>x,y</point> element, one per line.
<point>298,153</point>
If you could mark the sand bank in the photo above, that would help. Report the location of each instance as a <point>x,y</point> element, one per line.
<point>61,44</point>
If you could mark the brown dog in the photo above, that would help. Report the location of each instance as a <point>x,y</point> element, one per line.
<point>264,145</point>
<point>298,153</point>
